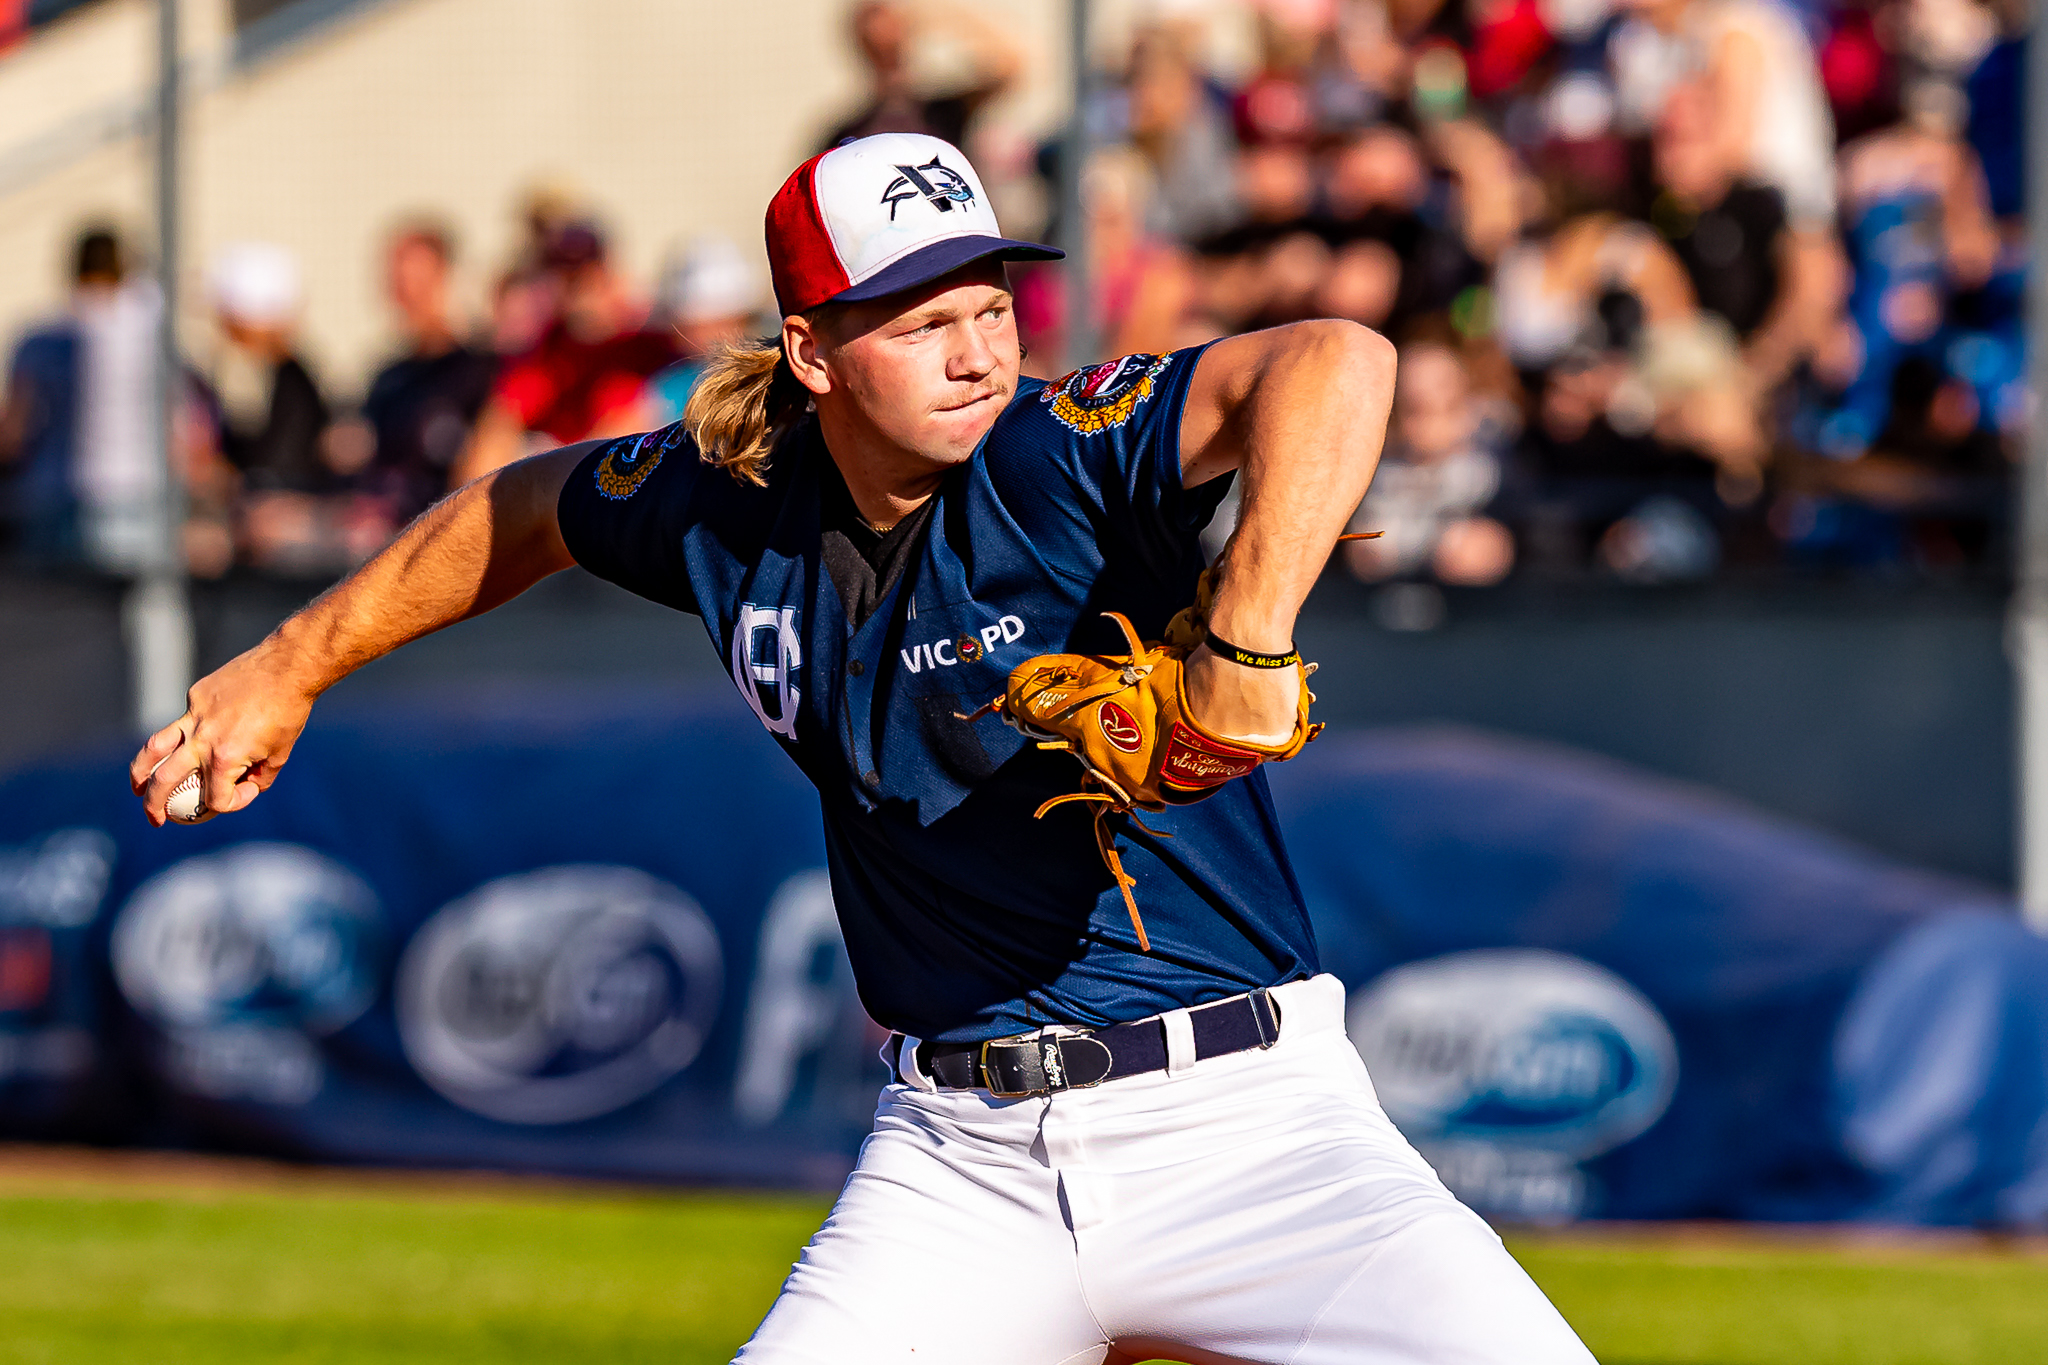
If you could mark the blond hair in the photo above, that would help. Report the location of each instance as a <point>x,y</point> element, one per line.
<point>747,399</point>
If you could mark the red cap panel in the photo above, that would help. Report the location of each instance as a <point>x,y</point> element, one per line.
<point>805,267</point>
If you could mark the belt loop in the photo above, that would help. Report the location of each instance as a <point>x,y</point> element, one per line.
<point>1180,1041</point>
<point>1264,1018</point>
<point>907,1069</point>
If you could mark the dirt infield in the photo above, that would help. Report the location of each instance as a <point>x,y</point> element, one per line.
<point>36,1169</point>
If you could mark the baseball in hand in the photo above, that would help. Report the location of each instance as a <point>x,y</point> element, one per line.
<point>188,803</point>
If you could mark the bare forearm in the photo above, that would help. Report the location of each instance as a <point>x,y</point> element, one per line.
<point>485,543</point>
<point>481,546</point>
<point>1309,428</point>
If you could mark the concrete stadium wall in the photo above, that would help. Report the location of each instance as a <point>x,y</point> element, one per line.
<point>1882,717</point>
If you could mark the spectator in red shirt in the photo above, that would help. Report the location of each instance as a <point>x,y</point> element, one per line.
<point>587,375</point>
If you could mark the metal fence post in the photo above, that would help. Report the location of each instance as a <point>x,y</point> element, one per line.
<point>1079,291</point>
<point>157,615</point>
<point>2029,620</point>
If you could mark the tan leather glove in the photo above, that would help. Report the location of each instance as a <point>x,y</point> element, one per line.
<point>1126,718</point>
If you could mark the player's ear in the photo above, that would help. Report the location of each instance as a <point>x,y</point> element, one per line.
<point>804,347</point>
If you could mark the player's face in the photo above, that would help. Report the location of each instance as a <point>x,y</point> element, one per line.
<point>929,371</point>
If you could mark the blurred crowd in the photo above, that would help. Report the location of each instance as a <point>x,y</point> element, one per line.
<point>1679,286</point>
<point>280,477</point>
<point>18,17</point>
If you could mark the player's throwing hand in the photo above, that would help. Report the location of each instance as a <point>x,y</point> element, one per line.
<point>238,729</point>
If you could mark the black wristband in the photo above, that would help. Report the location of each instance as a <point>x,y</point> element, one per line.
<point>1251,658</point>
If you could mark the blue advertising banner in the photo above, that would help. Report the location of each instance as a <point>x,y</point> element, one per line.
<point>1585,991</point>
<point>591,933</point>
<point>588,935</point>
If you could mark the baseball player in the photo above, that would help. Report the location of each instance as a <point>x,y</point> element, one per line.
<point>1124,1120</point>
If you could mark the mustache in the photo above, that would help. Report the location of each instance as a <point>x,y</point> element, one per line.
<point>987,391</point>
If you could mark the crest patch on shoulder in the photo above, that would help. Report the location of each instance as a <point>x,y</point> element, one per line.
<point>628,461</point>
<point>1100,397</point>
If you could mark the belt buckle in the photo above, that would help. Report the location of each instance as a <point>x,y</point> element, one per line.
<point>1053,1063</point>
<point>988,1074</point>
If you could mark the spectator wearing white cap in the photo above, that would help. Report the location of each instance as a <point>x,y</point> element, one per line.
<point>710,296</point>
<point>271,408</point>
<point>273,418</point>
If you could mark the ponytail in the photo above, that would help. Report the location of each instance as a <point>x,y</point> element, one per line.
<point>746,400</point>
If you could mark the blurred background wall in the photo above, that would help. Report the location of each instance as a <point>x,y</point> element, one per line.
<point>677,118</point>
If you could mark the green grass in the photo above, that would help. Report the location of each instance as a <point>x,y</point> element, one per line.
<point>321,1280</point>
<point>336,1275</point>
<point>1639,1302</point>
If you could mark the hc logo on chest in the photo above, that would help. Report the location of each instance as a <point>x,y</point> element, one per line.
<point>766,653</point>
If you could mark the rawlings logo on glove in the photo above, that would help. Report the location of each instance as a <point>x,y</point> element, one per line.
<point>1119,729</point>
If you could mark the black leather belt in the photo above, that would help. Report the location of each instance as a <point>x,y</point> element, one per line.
<point>1046,1063</point>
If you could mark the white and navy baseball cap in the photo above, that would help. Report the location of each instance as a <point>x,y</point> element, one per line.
<point>879,214</point>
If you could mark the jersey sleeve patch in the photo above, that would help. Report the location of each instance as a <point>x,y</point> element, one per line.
<point>1100,398</point>
<point>626,463</point>
<point>627,510</point>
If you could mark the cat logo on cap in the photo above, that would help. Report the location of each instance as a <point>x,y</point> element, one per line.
<point>938,184</point>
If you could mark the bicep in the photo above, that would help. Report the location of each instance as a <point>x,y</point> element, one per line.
<point>1212,439</point>
<point>1811,268</point>
<point>1304,368</point>
<point>527,494</point>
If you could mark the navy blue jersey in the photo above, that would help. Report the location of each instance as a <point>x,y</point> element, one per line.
<point>964,917</point>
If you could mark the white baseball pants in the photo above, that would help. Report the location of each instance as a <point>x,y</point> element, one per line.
<point>1257,1207</point>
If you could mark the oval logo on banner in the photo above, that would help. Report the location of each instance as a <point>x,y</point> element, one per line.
<point>261,932</point>
<point>1515,1046</point>
<point>1119,727</point>
<point>561,994</point>
<point>242,958</point>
